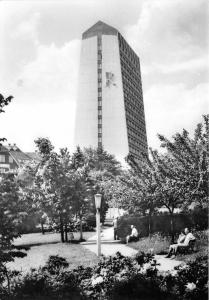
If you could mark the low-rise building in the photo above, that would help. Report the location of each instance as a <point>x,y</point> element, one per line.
<point>11,158</point>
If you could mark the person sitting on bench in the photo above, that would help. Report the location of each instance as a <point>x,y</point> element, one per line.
<point>134,236</point>
<point>183,242</point>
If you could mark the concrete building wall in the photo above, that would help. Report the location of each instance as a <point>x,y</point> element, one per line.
<point>114,131</point>
<point>86,110</point>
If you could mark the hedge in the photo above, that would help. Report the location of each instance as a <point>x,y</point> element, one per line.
<point>196,219</point>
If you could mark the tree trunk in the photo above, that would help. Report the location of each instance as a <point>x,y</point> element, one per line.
<point>172,227</point>
<point>42,228</point>
<point>66,237</point>
<point>8,280</point>
<point>81,229</point>
<point>149,224</point>
<point>62,230</point>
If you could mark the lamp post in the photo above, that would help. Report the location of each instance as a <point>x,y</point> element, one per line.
<point>98,198</point>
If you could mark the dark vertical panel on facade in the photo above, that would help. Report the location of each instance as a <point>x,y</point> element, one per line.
<point>133,98</point>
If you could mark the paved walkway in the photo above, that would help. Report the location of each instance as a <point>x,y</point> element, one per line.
<point>166,264</point>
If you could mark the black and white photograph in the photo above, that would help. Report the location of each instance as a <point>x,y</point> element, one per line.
<point>104,149</point>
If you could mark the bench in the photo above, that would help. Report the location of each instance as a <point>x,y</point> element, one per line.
<point>187,249</point>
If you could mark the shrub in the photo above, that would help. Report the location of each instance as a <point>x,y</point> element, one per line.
<point>55,263</point>
<point>116,277</point>
<point>91,220</point>
<point>189,282</point>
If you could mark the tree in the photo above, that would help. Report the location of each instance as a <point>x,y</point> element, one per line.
<point>191,162</point>
<point>12,212</point>
<point>103,167</point>
<point>4,102</point>
<point>55,183</point>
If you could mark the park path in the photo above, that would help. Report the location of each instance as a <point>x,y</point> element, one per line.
<point>111,248</point>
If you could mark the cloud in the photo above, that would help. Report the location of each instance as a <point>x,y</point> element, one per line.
<point>27,29</point>
<point>170,108</point>
<point>169,33</point>
<point>40,60</point>
<point>53,75</point>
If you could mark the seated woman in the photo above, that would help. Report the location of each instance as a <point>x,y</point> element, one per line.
<point>133,236</point>
<point>183,241</point>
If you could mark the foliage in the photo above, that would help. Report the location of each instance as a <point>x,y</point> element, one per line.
<point>189,282</point>
<point>191,160</point>
<point>116,277</point>
<point>12,212</point>
<point>173,180</point>
<point>63,185</point>
<point>4,102</point>
<point>55,263</point>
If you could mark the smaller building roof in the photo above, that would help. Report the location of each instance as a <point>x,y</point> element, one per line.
<point>19,156</point>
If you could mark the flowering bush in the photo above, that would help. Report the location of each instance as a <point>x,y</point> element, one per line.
<point>190,281</point>
<point>116,277</point>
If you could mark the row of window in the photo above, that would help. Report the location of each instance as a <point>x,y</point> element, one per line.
<point>136,101</point>
<point>135,126</point>
<point>135,141</point>
<point>99,72</point>
<point>137,94</point>
<point>132,80</point>
<point>130,69</point>
<point>136,134</point>
<point>127,50</point>
<point>135,79</point>
<point>135,109</point>
<point>132,84</point>
<point>126,61</point>
<point>134,117</point>
<point>134,147</point>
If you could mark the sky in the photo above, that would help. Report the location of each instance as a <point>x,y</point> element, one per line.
<point>39,62</point>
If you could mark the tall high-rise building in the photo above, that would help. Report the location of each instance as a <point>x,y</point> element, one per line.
<point>110,109</point>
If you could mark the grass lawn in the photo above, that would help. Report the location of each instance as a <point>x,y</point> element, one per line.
<point>36,239</point>
<point>42,246</point>
<point>160,245</point>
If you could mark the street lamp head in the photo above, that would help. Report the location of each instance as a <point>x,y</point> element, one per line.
<point>98,198</point>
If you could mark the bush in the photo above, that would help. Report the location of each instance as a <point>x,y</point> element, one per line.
<point>116,277</point>
<point>189,282</point>
<point>91,220</point>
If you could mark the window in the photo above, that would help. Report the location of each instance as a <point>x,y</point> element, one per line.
<point>99,84</point>
<point>99,112</point>
<point>2,158</point>
<point>99,121</point>
<point>99,130</point>
<point>11,159</point>
<point>100,102</point>
<point>100,75</point>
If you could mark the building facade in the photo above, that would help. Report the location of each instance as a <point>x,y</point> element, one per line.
<point>11,158</point>
<point>110,109</point>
